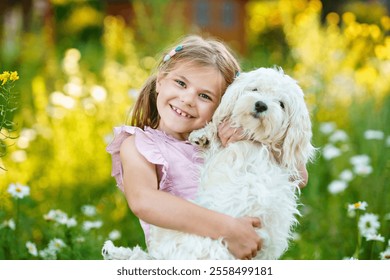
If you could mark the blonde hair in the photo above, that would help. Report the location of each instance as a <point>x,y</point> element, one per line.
<point>201,51</point>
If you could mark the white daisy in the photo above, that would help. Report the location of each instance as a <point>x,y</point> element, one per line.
<point>48,254</point>
<point>88,210</point>
<point>56,215</point>
<point>18,191</point>
<point>330,152</point>
<point>71,222</point>
<point>360,160</point>
<point>361,205</point>
<point>346,175</point>
<point>338,136</point>
<point>56,244</point>
<point>8,223</point>
<point>363,170</point>
<point>88,225</point>
<point>337,186</point>
<point>368,224</point>
<point>375,237</point>
<point>385,255</point>
<point>374,135</point>
<point>114,235</point>
<point>32,248</point>
<point>327,127</point>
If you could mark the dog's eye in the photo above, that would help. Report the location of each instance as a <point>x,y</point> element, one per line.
<point>255,89</point>
<point>281,104</point>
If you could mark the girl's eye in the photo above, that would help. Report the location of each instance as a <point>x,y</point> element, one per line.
<point>181,83</point>
<point>205,96</point>
<point>281,104</point>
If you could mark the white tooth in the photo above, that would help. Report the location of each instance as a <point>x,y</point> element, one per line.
<point>180,112</point>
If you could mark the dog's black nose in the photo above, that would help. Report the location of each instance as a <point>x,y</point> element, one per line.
<point>260,107</point>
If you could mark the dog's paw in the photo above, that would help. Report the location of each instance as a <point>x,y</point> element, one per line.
<point>199,138</point>
<point>108,247</point>
<point>202,141</point>
<point>111,252</point>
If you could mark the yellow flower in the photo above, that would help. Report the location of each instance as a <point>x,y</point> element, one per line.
<point>4,77</point>
<point>14,76</point>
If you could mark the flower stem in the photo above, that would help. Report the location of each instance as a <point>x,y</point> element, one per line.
<point>17,224</point>
<point>359,241</point>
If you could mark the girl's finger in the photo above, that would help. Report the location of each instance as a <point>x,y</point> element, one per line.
<point>223,132</point>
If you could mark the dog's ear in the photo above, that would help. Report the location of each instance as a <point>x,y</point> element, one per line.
<point>297,149</point>
<point>232,93</point>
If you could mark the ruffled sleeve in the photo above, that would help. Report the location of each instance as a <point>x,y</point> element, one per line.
<point>145,145</point>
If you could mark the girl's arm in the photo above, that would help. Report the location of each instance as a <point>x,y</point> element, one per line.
<point>165,210</point>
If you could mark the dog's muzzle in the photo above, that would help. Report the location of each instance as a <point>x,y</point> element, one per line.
<point>259,108</point>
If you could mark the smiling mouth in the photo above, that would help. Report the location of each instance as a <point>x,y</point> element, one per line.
<point>181,113</point>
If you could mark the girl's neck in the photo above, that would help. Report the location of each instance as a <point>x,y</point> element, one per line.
<point>176,135</point>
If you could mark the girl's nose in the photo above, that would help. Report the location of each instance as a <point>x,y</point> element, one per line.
<point>188,97</point>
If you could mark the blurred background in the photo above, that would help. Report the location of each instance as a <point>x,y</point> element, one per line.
<point>82,62</point>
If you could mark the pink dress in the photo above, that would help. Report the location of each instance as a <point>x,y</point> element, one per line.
<point>176,161</point>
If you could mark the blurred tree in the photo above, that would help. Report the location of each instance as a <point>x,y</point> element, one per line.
<point>121,8</point>
<point>25,5</point>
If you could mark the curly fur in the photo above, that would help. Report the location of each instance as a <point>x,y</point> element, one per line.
<point>258,177</point>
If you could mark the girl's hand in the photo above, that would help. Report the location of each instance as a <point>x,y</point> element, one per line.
<point>304,176</point>
<point>242,239</point>
<point>228,134</point>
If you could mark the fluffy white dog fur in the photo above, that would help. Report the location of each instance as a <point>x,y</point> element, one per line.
<point>258,177</point>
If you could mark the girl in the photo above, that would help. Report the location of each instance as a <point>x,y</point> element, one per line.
<point>154,164</point>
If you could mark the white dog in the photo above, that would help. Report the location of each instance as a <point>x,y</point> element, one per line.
<point>258,177</point>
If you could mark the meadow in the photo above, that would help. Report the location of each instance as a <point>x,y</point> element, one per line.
<point>57,197</point>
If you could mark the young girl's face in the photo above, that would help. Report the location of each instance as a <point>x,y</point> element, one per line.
<point>187,98</point>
